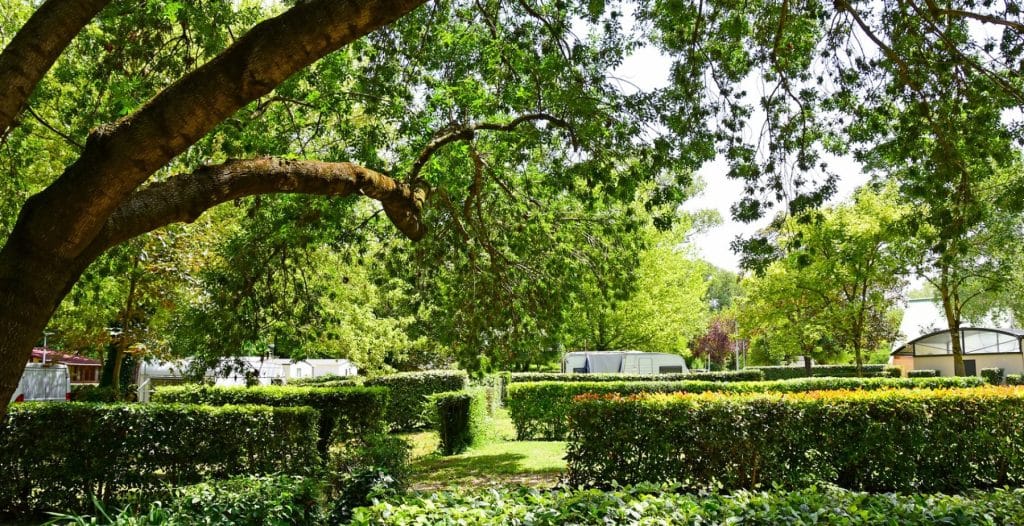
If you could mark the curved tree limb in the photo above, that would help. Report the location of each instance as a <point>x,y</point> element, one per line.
<point>35,48</point>
<point>467,132</point>
<point>64,218</point>
<point>185,197</point>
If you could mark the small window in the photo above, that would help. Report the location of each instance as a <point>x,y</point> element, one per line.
<point>666,369</point>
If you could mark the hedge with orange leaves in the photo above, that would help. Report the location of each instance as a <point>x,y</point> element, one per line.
<point>893,440</point>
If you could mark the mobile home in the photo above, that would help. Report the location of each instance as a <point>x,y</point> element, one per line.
<point>624,362</point>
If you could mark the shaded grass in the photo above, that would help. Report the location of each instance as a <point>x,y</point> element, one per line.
<point>498,461</point>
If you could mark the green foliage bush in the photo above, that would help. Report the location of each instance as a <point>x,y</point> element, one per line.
<point>1015,379</point>
<point>923,373</point>
<point>93,393</point>
<point>344,411</point>
<point>945,440</point>
<point>328,380</point>
<point>461,419</point>
<point>786,372</point>
<point>494,386</point>
<point>745,375</point>
<point>58,456</point>
<point>539,409</point>
<point>993,375</point>
<point>651,504</point>
<point>374,466</point>
<point>408,407</point>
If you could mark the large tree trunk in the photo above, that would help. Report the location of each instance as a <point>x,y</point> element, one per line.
<point>96,203</point>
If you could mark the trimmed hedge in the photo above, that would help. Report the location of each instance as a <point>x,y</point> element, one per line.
<point>328,380</point>
<point>539,409</point>
<point>993,375</point>
<point>923,373</point>
<point>745,375</point>
<point>1015,379</point>
<point>944,440</point>
<point>345,412</point>
<point>408,408</point>
<point>670,505</point>
<point>58,456</point>
<point>461,419</point>
<point>788,372</point>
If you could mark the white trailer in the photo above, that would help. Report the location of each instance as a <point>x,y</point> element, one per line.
<point>43,382</point>
<point>623,362</point>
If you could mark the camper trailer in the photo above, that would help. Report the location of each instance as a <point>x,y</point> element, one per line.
<point>43,382</point>
<point>624,362</point>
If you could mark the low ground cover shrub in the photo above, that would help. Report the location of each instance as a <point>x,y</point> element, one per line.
<point>539,410</point>
<point>892,440</point>
<point>59,456</point>
<point>923,373</point>
<point>408,408</point>
<point>668,505</point>
<point>787,372</point>
<point>745,375</point>
<point>460,419</point>
<point>242,501</point>
<point>344,411</point>
<point>993,375</point>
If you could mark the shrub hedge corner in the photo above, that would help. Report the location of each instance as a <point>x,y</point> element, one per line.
<point>408,407</point>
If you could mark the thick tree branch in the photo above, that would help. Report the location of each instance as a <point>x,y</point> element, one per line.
<point>35,48</point>
<point>64,219</point>
<point>184,198</point>
<point>466,133</point>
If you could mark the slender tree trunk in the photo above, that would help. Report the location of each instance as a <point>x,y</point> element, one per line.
<point>952,321</point>
<point>808,369</point>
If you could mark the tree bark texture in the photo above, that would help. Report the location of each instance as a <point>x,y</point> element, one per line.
<point>96,203</point>
<point>34,49</point>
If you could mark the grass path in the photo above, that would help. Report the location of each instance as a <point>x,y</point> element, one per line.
<point>500,461</point>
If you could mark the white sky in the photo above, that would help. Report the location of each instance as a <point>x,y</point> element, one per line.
<point>648,69</point>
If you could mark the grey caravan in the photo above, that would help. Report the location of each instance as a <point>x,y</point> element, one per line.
<point>625,362</point>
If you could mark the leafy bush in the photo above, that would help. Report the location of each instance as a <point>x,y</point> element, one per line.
<point>93,393</point>
<point>461,419</point>
<point>745,375</point>
<point>58,456</point>
<point>367,468</point>
<point>788,372</point>
<point>669,505</point>
<point>409,406</point>
<point>344,411</point>
<point>242,501</point>
<point>328,380</point>
<point>993,375</point>
<point>540,409</point>
<point>891,440</point>
<point>923,373</point>
<point>892,371</point>
<point>1015,379</point>
<point>494,386</point>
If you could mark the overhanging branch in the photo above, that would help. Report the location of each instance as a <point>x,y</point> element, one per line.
<point>185,197</point>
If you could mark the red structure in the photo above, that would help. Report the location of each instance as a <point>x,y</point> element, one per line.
<point>82,370</point>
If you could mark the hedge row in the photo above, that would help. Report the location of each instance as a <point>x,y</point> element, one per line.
<point>944,440</point>
<point>745,375</point>
<point>58,456</point>
<point>786,372</point>
<point>667,505</point>
<point>461,419</point>
<point>345,412</point>
<point>408,407</point>
<point>328,380</point>
<point>539,409</point>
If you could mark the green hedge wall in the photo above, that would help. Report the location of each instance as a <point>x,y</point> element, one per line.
<point>993,375</point>
<point>923,373</point>
<point>946,440</point>
<point>328,380</point>
<point>781,372</point>
<point>408,405</point>
<point>57,456</point>
<point>539,409</point>
<point>746,375</point>
<point>671,505</point>
<point>345,412</point>
<point>461,419</point>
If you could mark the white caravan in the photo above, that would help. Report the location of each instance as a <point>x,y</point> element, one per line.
<point>624,362</point>
<point>43,382</point>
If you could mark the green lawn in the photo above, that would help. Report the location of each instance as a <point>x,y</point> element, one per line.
<point>500,461</point>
